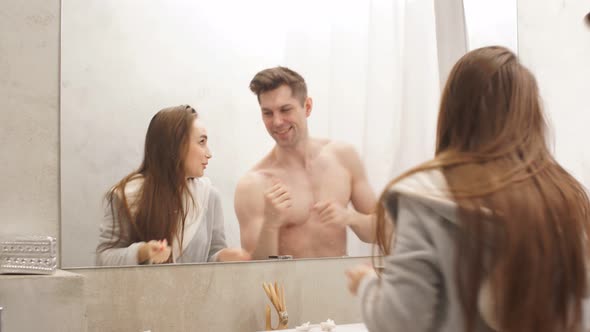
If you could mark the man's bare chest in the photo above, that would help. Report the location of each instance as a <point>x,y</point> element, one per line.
<point>308,187</point>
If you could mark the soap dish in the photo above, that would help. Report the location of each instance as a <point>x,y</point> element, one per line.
<point>328,325</point>
<point>28,255</point>
<point>303,327</point>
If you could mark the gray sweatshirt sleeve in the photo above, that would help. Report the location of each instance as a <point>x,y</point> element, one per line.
<point>218,232</point>
<point>406,298</point>
<point>125,253</point>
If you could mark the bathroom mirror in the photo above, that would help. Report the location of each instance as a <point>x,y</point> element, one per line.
<point>371,67</point>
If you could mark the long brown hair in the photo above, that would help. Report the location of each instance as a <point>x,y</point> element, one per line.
<point>491,147</point>
<point>160,207</point>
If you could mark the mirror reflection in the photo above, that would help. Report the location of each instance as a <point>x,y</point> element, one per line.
<point>167,211</point>
<point>294,200</point>
<point>262,167</point>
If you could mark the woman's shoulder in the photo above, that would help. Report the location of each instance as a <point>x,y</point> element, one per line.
<point>131,188</point>
<point>214,194</point>
<point>424,190</point>
<point>202,185</point>
<point>429,181</point>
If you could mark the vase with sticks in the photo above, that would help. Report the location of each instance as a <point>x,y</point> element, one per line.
<point>276,296</point>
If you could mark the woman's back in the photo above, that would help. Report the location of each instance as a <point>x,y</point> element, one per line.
<point>520,221</point>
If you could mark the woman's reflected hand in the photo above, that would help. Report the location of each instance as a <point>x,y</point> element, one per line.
<point>233,255</point>
<point>356,274</point>
<point>154,252</point>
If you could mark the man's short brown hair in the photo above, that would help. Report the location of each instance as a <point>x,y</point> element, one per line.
<point>272,78</point>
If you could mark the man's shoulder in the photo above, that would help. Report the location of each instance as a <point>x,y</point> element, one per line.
<point>333,145</point>
<point>342,151</point>
<point>249,194</point>
<point>345,155</point>
<point>251,181</point>
<point>342,147</point>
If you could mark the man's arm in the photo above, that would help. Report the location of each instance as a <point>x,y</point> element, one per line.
<point>363,220</point>
<point>259,236</point>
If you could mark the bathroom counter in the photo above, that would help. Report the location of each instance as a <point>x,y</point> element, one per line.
<point>360,327</point>
<point>53,302</point>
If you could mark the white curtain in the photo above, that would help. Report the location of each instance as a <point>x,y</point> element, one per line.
<point>402,92</point>
<point>371,68</point>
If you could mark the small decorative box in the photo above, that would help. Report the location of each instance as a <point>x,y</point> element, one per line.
<point>28,255</point>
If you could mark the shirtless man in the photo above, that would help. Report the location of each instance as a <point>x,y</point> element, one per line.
<point>295,200</point>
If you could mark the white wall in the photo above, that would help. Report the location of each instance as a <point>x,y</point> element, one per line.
<point>491,23</point>
<point>29,164</point>
<point>554,43</point>
<point>451,35</point>
<point>29,69</point>
<point>464,25</point>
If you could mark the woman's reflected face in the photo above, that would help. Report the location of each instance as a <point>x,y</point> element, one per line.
<point>198,154</point>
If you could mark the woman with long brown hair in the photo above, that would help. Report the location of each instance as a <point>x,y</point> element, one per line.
<point>166,211</point>
<point>490,234</point>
